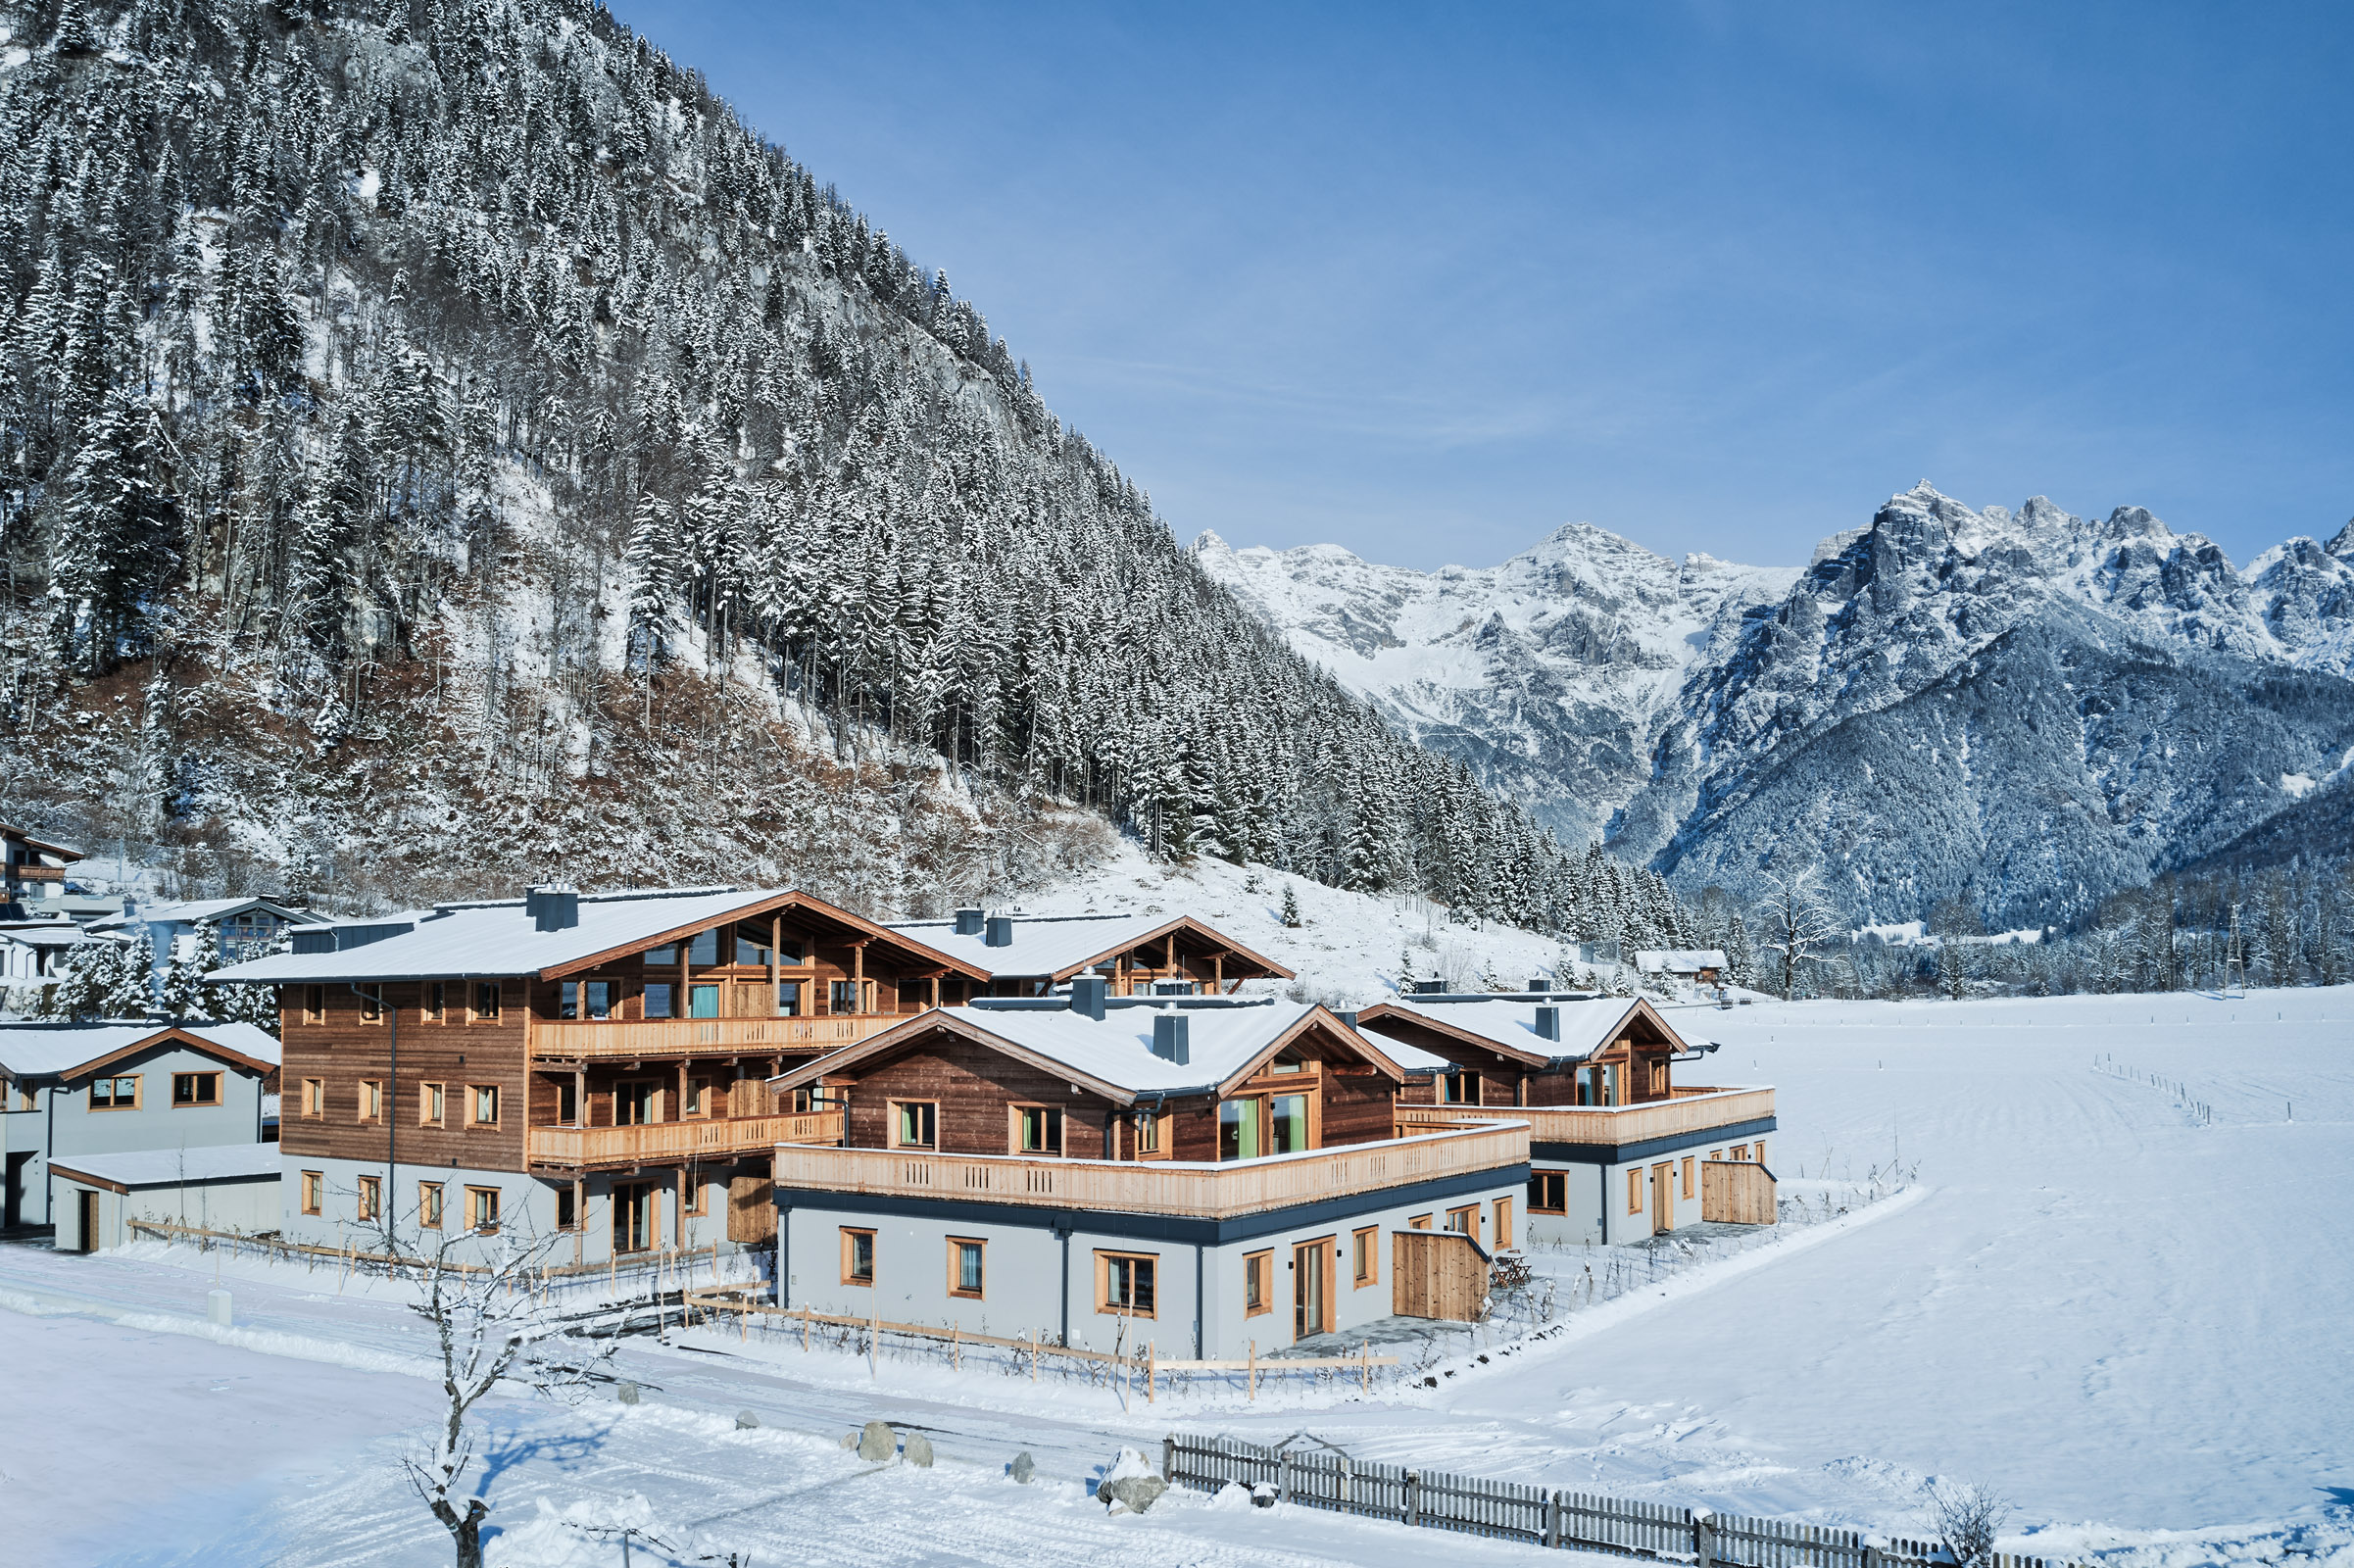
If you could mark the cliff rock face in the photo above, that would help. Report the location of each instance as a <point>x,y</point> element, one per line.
<point>2026,709</point>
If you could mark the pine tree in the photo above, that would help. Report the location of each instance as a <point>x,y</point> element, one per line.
<point>1291,917</point>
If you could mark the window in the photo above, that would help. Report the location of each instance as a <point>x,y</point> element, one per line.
<point>431,1105</point>
<point>703,1002</point>
<point>788,999</point>
<point>1420,1222</point>
<point>1635,1191</point>
<point>698,1098</point>
<point>915,1124</point>
<point>1129,1279</point>
<point>584,998</point>
<point>315,1004</point>
<point>1237,1129</point>
<point>1740,1152</point>
<point>115,1094</point>
<point>965,1267</point>
<point>567,1210</point>
<point>486,999</point>
<point>314,1096</point>
<point>1148,1132</point>
<point>1259,1284</point>
<point>568,1102</point>
<point>1288,1123</point>
<point>857,1257</point>
<point>429,1205</point>
<point>196,1088</point>
<point>1758,1153</point>
<point>482,1210</point>
<point>1716,1154</point>
<point>314,1187</point>
<point>842,998</point>
<point>1504,1223</point>
<point>482,1104</point>
<point>1691,1175</point>
<point>436,1002</point>
<point>371,1004</point>
<point>1037,1130</point>
<point>1549,1191</point>
<point>1466,1219</point>
<point>1365,1253</point>
<point>371,1099</point>
<point>748,952</point>
<point>658,997</point>
<point>689,1197</point>
<point>1460,1088</point>
<point>372,1198</point>
<point>637,1104</point>
<point>703,948</point>
<point>663,957</point>
<point>1658,1079</point>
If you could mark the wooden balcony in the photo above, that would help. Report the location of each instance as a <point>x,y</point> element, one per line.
<point>610,1040</point>
<point>1686,1110</point>
<point>670,1143</point>
<point>1159,1187</point>
<point>29,872</point>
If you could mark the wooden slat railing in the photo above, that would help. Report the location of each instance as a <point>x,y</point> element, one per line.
<point>1158,1187</point>
<point>639,1039</point>
<point>656,1141</point>
<point>1691,1111</point>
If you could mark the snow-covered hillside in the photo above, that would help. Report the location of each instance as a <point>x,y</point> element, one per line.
<point>2026,708</point>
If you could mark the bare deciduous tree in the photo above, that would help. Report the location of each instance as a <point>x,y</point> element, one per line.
<point>1793,919</point>
<point>1967,1516</point>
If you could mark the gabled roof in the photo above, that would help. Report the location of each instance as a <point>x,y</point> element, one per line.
<point>72,1050</point>
<point>494,939</point>
<point>44,933</point>
<point>1678,960</point>
<point>1509,1028</point>
<point>202,911</point>
<point>31,843</point>
<point>1113,1056</point>
<point>1055,946</point>
<point>171,1167</point>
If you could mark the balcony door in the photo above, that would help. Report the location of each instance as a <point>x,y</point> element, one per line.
<point>1312,1292</point>
<point>635,1227</point>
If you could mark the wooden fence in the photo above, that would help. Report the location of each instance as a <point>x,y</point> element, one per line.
<point>1325,1477</point>
<point>1437,1274</point>
<point>1737,1192</point>
<point>671,1267</point>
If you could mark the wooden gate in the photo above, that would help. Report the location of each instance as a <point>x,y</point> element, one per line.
<point>1440,1274</point>
<point>751,1209</point>
<point>1737,1192</point>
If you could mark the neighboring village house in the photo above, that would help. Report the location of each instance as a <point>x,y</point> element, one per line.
<point>32,957</point>
<point>1202,1173</point>
<point>1137,955</point>
<point>1691,966</point>
<point>1618,1150</point>
<point>31,872</point>
<point>221,930</point>
<point>593,1066</point>
<point>220,1187</point>
<point>78,1091</point>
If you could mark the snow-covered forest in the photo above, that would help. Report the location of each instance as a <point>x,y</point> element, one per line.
<point>443,446</point>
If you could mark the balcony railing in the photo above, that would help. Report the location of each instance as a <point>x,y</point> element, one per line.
<point>1159,1187</point>
<point>1687,1110</point>
<point>606,1040</point>
<point>663,1142</point>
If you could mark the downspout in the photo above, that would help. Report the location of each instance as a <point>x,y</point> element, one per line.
<point>784,1255</point>
<point>1063,1234</point>
<point>392,1109</point>
<point>1198,1299</point>
<point>48,1152</point>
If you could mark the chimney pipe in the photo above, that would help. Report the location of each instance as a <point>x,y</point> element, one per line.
<point>1548,1024</point>
<point>553,907</point>
<point>1169,1037</point>
<point>1000,933</point>
<point>968,923</point>
<point>1087,996</point>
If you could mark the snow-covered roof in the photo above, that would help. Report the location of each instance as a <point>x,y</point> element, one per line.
<point>169,1167</point>
<point>1114,1052</point>
<point>58,1049</point>
<point>1511,1025</point>
<point>1058,945</point>
<point>31,843</point>
<point>1678,960</point>
<point>502,937</point>
<point>44,933</point>
<point>201,912</point>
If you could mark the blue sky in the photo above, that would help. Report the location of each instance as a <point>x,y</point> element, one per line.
<point>1429,282</point>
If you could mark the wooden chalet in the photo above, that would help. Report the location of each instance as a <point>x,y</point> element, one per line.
<point>32,870</point>
<point>1616,1144</point>
<point>1071,1161</point>
<point>1137,955</point>
<point>588,1064</point>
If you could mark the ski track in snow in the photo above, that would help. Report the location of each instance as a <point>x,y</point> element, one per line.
<point>2129,1324</point>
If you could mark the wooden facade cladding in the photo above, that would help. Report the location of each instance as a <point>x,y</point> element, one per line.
<point>1691,1109</point>
<point>977,1090</point>
<point>1641,1046</point>
<point>343,1049</point>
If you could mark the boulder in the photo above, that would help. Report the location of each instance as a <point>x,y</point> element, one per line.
<point>626,1393</point>
<point>919,1451</point>
<point>850,1439</point>
<point>1130,1484</point>
<point>1023,1467</point>
<point>745,1421</point>
<point>878,1443</point>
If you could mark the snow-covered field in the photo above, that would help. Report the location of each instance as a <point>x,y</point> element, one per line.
<point>2130,1323</point>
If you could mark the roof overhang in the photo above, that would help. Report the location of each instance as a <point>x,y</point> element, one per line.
<point>1188,924</point>
<point>1391,1012</point>
<point>774,903</point>
<point>170,1033</point>
<point>1314,1017</point>
<point>938,1021</point>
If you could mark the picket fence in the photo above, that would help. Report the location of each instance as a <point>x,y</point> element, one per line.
<point>1324,1477</point>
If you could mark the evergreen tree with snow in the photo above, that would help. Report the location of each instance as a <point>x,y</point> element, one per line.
<point>1291,917</point>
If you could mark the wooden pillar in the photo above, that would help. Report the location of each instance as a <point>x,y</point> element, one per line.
<point>935,990</point>
<point>776,943</point>
<point>685,1008</point>
<point>581,1115</point>
<point>858,977</point>
<point>682,1091</point>
<point>1217,974</point>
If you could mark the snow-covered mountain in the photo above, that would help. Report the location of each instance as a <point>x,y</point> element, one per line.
<point>2029,709</point>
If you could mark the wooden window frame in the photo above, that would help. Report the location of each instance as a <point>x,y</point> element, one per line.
<point>372,1004</point>
<point>1013,1131</point>
<point>565,1198</point>
<point>311,1195</point>
<point>955,1273</point>
<point>1468,1212</point>
<point>367,1199</point>
<point>315,1004</point>
<point>654,1101</point>
<point>314,1104</point>
<point>429,1213</point>
<point>433,1001</point>
<point>372,1092</point>
<point>1258,1268</point>
<point>850,1236</point>
<point>697,1102</point>
<point>217,1101</point>
<point>1154,1121</point>
<point>1461,1077</point>
<point>1757,1152</point>
<point>433,1105</point>
<point>1501,1215</point>
<point>1104,1261</point>
<point>495,991</point>
<point>1420,1222</point>
<point>113,1101</point>
<point>1741,1154</point>
<point>898,1135</point>
<point>498,1110</point>
<point>1365,1257</point>
<point>1715,1154</point>
<point>1635,1204</point>
<point>691,1196</point>
<point>475,1198</point>
<point>1691,1176</point>
<point>1537,1180</point>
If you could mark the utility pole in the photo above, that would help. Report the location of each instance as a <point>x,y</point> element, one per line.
<point>2235,957</point>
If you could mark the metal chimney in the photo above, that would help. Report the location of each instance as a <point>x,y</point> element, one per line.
<point>1548,1024</point>
<point>1170,1040</point>
<point>553,907</point>
<point>968,923</point>
<point>1088,992</point>
<point>1000,931</point>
